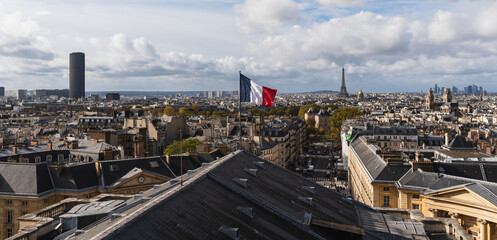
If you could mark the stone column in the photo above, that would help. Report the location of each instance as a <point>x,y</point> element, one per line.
<point>455,216</point>
<point>490,230</point>
<point>483,224</point>
<point>433,212</point>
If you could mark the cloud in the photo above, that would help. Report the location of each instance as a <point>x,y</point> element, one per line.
<point>23,38</point>
<point>265,15</point>
<point>341,2</point>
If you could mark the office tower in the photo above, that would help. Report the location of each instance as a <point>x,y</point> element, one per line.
<point>113,96</point>
<point>77,75</point>
<point>19,94</point>
<point>435,89</point>
<point>2,91</point>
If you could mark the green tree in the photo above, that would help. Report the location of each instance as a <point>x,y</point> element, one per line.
<point>340,115</point>
<point>189,145</point>
<point>185,112</point>
<point>194,108</point>
<point>292,111</point>
<point>169,111</point>
<point>158,111</point>
<point>219,114</point>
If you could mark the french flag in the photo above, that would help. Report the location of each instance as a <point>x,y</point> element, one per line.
<point>255,93</point>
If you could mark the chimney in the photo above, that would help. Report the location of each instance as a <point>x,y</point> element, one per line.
<point>14,149</point>
<point>74,144</point>
<point>66,144</point>
<point>223,149</point>
<point>446,139</point>
<point>34,142</point>
<point>108,154</point>
<point>168,160</point>
<point>49,146</point>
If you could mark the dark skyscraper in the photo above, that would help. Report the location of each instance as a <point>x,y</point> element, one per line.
<point>343,89</point>
<point>2,91</point>
<point>77,75</point>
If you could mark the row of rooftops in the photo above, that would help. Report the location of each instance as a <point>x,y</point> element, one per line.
<point>242,196</point>
<point>40,178</point>
<point>425,176</point>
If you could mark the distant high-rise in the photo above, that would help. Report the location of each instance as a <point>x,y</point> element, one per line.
<point>343,89</point>
<point>77,75</point>
<point>2,91</point>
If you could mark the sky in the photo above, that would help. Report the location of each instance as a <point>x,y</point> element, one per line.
<point>289,45</point>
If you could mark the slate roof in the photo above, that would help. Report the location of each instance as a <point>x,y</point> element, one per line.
<point>75,177</point>
<point>215,204</point>
<point>30,179</point>
<point>111,174</point>
<point>188,163</point>
<point>375,166</point>
<point>459,143</point>
<point>428,182</point>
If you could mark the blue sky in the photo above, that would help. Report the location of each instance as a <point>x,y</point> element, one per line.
<point>293,46</point>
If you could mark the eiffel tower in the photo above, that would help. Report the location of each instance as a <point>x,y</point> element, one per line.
<point>343,89</point>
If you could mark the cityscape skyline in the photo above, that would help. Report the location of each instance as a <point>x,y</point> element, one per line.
<point>298,45</point>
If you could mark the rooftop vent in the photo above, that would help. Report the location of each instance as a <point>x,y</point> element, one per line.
<point>205,164</point>
<point>114,168</point>
<point>307,200</point>
<point>242,181</point>
<point>154,164</point>
<point>251,171</point>
<point>230,232</point>
<point>307,218</point>
<point>191,172</point>
<point>260,164</point>
<point>309,189</point>
<point>246,210</point>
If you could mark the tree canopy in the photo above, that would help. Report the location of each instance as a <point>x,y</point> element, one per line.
<point>189,145</point>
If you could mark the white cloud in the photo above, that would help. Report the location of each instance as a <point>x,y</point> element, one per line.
<point>23,38</point>
<point>342,2</point>
<point>265,15</point>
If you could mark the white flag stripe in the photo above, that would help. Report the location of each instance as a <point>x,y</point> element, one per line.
<point>255,93</point>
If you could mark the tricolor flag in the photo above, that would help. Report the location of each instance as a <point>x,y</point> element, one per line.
<point>255,93</point>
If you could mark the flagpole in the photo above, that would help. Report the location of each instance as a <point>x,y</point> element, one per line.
<point>240,111</point>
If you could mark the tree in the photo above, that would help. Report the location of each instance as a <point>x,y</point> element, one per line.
<point>305,108</point>
<point>195,108</point>
<point>185,112</point>
<point>189,145</point>
<point>158,111</point>
<point>169,111</point>
<point>292,111</point>
<point>340,115</point>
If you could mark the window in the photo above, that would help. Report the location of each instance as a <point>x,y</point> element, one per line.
<point>45,200</point>
<point>386,189</point>
<point>9,202</point>
<point>386,201</point>
<point>415,196</point>
<point>415,206</point>
<point>9,232</point>
<point>60,157</point>
<point>25,203</point>
<point>37,159</point>
<point>66,197</point>
<point>49,158</point>
<point>9,216</point>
